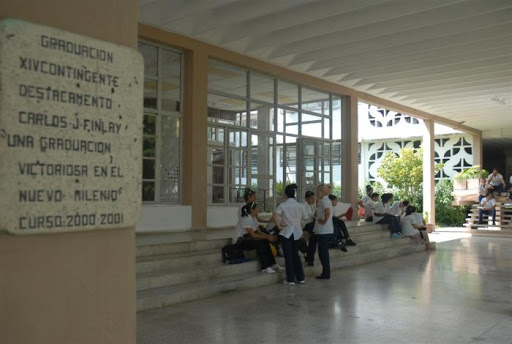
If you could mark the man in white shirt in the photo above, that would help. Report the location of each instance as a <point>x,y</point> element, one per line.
<point>488,207</point>
<point>368,207</point>
<point>288,216</point>
<point>496,180</point>
<point>398,208</point>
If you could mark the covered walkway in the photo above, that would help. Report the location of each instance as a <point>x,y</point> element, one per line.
<point>461,293</point>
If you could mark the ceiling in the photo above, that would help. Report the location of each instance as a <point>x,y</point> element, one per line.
<point>450,58</point>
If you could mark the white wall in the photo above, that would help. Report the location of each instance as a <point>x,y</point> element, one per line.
<point>161,217</point>
<point>222,216</point>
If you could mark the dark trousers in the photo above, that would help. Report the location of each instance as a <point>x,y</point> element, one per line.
<point>293,265</point>
<point>491,212</point>
<point>393,222</point>
<point>498,188</point>
<point>312,244</point>
<point>262,248</point>
<point>340,229</point>
<point>323,253</point>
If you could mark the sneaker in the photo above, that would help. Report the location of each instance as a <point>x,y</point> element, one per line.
<point>342,247</point>
<point>395,236</point>
<point>278,267</point>
<point>349,242</point>
<point>301,282</point>
<point>285,282</point>
<point>269,270</point>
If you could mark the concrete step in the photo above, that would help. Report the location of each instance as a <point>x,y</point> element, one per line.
<point>177,276</point>
<point>238,278</point>
<point>180,247</point>
<point>189,260</point>
<point>161,297</point>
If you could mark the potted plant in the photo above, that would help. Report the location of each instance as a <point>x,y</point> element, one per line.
<point>469,179</point>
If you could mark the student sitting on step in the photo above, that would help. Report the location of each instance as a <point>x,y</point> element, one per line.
<point>382,215</point>
<point>398,208</point>
<point>368,207</point>
<point>488,207</point>
<point>341,235</point>
<point>413,226</point>
<point>249,237</point>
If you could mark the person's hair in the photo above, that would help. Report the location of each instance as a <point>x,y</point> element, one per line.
<point>289,190</point>
<point>374,195</point>
<point>246,209</point>
<point>410,209</point>
<point>248,193</point>
<point>405,202</point>
<point>309,194</point>
<point>322,187</point>
<point>368,187</point>
<point>332,197</point>
<point>385,197</point>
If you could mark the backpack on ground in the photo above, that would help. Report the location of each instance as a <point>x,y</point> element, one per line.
<point>233,254</point>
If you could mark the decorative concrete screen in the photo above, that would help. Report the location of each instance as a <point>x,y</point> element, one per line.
<point>70,131</point>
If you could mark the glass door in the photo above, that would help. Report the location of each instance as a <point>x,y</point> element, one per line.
<point>262,169</point>
<point>314,164</point>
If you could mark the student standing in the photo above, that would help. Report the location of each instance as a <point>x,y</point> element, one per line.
<point>324,229</point>
<point>288,216</point>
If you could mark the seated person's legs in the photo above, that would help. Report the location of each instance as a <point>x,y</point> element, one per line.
<point>262,250</point>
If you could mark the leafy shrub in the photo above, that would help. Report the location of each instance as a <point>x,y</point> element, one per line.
<point>446,213</point>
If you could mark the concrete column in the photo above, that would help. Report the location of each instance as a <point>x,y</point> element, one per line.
<point>71,287</point>
<point>477,150</point>
<point>194,135</point>
<point>350,151</point>
<point>429,204</point>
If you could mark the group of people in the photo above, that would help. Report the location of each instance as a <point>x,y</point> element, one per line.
<point>402,218</point>
<point>490,187</point>
<point>313,219</point>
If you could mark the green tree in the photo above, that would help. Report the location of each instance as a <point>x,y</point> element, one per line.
<point>404,172</point>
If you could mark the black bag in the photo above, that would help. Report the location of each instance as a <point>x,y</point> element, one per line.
<point>233,254</point>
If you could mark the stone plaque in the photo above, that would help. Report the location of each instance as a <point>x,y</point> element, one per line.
<point>70,131</point>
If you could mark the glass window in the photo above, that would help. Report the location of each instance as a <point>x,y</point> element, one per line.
<point>170,173</point>
<point>287,94</point>
<point>262,117</point>
<point>337,109</point>
<point>161,147</point>
<point>311,125</point>
<point>226,78</point>
<point>262,87</point>
<point>150,54</point>
<point>315,101</point>
<point>260,124</point>
<point>223,109</point>
<point>150,94</point>
<point>171,81</point>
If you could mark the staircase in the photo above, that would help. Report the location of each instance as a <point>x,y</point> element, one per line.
<point>179,267</point>
<point>503,216</point>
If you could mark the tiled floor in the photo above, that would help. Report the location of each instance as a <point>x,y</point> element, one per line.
<point>461,293</point>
